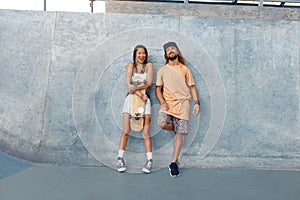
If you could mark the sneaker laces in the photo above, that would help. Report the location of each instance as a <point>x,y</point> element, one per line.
<point>121,162</point>
<point>148,164</point>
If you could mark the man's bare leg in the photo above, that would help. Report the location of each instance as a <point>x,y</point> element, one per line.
<point>166,126</point>
<point>177,146</point>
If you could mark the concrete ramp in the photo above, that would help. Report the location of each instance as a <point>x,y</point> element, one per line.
<point>10,165</point>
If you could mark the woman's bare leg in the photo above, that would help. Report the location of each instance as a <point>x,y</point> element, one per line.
<point>146,134</point>
<point>125,132</point>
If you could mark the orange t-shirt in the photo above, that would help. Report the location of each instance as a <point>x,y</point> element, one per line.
<point>176,82</point>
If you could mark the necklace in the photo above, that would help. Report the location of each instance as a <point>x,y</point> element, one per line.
<point>142,70</point>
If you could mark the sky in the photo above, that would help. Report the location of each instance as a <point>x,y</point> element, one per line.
<point>53,5</point>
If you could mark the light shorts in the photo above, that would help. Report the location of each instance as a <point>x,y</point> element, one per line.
<point>180,125</point>
<point>126,106</point>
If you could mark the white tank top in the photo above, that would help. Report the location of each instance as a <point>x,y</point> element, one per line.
<point>139,77</point>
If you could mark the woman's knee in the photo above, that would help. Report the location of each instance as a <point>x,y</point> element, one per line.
<point>125,133</point>
<point>146,135</point>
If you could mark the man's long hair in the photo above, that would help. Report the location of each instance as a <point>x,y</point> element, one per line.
<point>180,57</point>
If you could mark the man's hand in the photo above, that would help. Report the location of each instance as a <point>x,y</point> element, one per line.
<point>196,109</point>
<point>164,106</point>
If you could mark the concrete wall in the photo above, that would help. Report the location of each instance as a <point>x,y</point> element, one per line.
<point>62,88</point>
<point>202,10</point>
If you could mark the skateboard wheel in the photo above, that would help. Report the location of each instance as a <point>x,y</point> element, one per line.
<point>144,116</point>
<point>129,116</point>
<point>131,81</point>
<point>145,81</point>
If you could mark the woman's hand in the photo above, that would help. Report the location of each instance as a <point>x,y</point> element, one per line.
<point>144,97</point>
<point>132,89</point>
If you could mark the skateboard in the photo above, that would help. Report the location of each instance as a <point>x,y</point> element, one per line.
<point>137,109</point>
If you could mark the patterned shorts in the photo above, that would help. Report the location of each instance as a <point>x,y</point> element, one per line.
<point>180,125</point>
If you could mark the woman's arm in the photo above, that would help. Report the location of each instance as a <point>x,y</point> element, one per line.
<point>129,70</point>
<point>149,78</point>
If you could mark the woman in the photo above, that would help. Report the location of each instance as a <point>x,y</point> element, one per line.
<point>142,68</point>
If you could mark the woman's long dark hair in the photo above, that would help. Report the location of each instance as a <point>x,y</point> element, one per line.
<point>135,50</point>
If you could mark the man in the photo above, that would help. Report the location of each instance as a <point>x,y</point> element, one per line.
<point>174,87</point>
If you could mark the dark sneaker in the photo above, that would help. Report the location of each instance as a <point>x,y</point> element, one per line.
<point>174,170</point>
<point>148,166</point>
<point>121,165</point>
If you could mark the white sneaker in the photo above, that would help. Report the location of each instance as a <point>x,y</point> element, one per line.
<point>148,166</point>
<point>121,165</point>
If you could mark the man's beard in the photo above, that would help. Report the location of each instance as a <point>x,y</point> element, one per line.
<point>173,57</point>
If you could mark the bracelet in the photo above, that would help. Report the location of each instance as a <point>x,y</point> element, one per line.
<point>197,102</point>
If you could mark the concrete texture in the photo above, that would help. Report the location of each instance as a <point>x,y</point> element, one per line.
<point>62,88</point>
<point>10,165</point>
<point>50,182</point>
<point>202,10</point>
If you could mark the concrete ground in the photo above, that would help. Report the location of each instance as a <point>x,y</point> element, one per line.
<point>21,180</point>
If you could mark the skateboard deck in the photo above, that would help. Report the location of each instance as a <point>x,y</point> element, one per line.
<point>137,112</point>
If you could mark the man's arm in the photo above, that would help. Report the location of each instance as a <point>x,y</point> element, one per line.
<point>194,92</point>
<point>160,97</point>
